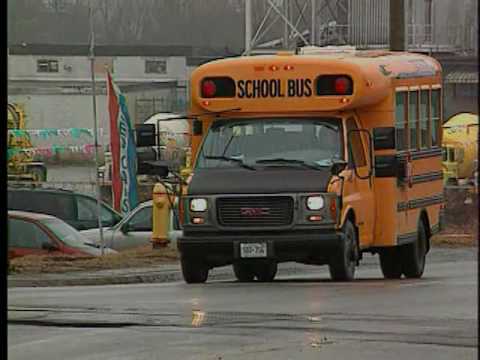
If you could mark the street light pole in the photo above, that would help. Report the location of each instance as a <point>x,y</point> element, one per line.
<point>248,26</point>
<point>95,127</point>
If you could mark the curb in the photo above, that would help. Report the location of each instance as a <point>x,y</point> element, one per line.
<point>169,275</point>
<point>165,276</point>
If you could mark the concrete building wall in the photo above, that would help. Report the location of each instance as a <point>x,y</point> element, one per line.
<point>460,98</point>
<point>127,67</point>
<point>24,67</point>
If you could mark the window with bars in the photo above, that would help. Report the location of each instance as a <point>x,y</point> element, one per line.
<point>435,107</point>
<point>413,119</point>
<point>47,66</point>
<point>400,120</point>
<point>155,66</point>
<point>424,118</point>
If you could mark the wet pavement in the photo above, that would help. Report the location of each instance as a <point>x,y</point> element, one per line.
<point>301,315</point>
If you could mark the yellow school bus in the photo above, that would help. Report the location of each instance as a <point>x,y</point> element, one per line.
<point>315,157</point>
<point>460,148</point>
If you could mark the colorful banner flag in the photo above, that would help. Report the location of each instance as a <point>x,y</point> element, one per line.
<point>122,148</point>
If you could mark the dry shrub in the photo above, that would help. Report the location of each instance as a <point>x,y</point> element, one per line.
<point>135,258</point>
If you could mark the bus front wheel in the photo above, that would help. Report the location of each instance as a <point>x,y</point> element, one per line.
<point>243,272</point>
<point>342,265</point>
<point>194,271</point>
<point>265,272</point>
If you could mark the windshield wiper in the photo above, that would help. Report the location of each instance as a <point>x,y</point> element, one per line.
<point>226,158</point>
<point>289,161</point>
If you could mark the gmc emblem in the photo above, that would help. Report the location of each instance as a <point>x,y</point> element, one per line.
<point>250,211</point>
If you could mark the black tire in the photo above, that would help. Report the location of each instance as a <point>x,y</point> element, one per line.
<point>342,265</point>
<point>265,272</point>
<point>413,255</point>
<point>39,173</point>
<point>194,271</point>
<point>390,263</point>
<point>243,272</point>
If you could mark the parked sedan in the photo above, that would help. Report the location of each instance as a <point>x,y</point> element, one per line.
<point>133,231</point>
<point>41,234</point>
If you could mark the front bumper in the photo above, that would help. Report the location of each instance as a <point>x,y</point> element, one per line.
<point>224,248</point>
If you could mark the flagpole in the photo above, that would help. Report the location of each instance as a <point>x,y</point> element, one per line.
<point>95,128</point>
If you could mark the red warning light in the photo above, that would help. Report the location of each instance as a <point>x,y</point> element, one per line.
<point>208,89</point>
<point>342,85</point>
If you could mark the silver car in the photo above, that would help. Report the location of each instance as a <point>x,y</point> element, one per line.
<point>133,231</point>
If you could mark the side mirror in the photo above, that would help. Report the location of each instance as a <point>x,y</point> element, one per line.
<point>144,156</point>
<point>337,167</point>
<point>389,166</point>
<point>159,168</point>
<point>49,246</point>
<point>125,228</point>
<point>197,127</point>
<point>384,138</point>
<point>145,135</point>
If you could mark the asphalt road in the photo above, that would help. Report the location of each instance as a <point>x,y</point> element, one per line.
<point>302,315</point>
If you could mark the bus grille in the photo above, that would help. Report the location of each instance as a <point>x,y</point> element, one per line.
<point>255,211</point>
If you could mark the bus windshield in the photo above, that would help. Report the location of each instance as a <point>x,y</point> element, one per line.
<point>272,142</point>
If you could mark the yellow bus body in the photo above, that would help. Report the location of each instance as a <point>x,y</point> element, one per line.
<point>395,204</point>
<point>460,147</point>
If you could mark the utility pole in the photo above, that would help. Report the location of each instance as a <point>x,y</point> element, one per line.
<point>95,127</point>
<point>398,38</point>
<point>286,29</point>
<point>248,26</point>
<point>314,23</point>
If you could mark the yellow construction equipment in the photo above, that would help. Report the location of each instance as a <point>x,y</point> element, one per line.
<point>21,166</point>
<point>460,146</point>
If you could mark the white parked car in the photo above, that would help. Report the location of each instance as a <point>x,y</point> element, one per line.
<point>133,231</point>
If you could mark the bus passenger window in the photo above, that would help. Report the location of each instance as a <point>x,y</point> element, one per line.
<point>413,118</point>
<point>424,119</point>
<point>435,113</point>
<point>400,120</point>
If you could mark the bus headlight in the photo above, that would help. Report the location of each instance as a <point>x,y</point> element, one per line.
<point>315,202</point>
<point>198,205</point>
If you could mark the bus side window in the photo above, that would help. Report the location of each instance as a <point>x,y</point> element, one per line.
<point>413,118</point>
<point>424,117</point>
<point>356,145</point>
<point>435,114</point>
<point>400,120</point>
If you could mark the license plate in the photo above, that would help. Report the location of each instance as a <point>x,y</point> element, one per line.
<point>253,250</point>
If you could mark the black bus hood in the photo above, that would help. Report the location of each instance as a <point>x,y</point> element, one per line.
<point>261,181</point>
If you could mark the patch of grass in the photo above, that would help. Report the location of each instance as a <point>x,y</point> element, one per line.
<point>10,268</point>
<point>454,240</point>
<point>136,258</point>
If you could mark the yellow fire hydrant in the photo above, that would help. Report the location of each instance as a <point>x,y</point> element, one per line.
<point>161,215</point>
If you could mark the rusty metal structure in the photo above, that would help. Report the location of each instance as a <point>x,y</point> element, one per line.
<point>285,24</point>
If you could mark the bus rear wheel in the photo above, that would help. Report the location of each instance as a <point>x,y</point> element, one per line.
<point>390,263</point>
<point>243,272</point>
<point>342,265</point>
<point>194,271</point>
<point>413,255</point>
